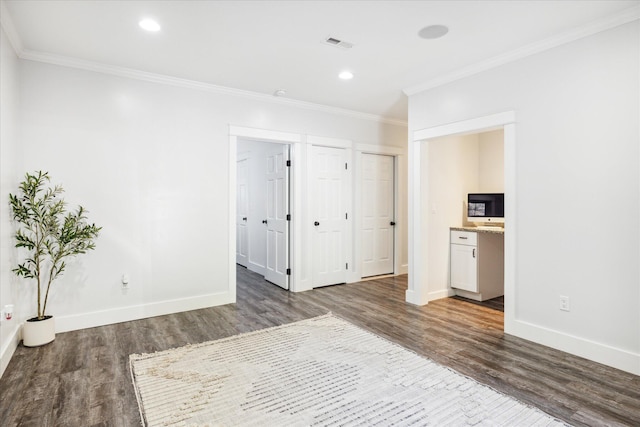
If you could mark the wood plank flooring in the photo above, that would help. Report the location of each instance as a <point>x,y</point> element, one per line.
<point>82,378</point>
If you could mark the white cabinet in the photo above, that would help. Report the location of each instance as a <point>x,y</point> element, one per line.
<point>477,264</point>
<point>464,267</point>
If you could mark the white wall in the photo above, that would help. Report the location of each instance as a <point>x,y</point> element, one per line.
<point>151,164</point>
<point>577,167</point>
<point>452,172</point>
<point>491,162</point>
<point>10,175</point>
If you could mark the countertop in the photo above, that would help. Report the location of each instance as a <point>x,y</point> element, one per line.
<point>489,230</point>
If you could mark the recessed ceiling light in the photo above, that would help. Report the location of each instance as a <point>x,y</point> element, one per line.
<point>280,92</point>
<point>149,25</point>
<point>346,75</point>
<point>433,32</point>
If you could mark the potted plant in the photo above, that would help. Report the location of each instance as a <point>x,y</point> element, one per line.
<point>51,235</point>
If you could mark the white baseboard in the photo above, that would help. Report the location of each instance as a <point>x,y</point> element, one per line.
<point>142,311</point>
<point>598,352</point>
<point>412,297</point>
<point>443,293</point>
<point>404,269</point>
<point>9,348</point>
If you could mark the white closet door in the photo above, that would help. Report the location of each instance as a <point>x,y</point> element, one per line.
<point>277,210</point>
<point>242,210</point>
<point>377,214</point>
<point>329,216</point>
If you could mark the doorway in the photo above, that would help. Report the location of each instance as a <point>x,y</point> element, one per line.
<point>263,209</point>
<point>421,289</point>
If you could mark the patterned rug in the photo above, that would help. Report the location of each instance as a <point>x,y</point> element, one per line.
<point>318,372</point>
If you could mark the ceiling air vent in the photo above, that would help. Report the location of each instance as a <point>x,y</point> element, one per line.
<point>338,43</point>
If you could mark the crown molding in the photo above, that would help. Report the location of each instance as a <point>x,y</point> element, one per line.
<point>10,30</point>
<point>624,17</point>
<point>7,24</point>
<point>130,73</point>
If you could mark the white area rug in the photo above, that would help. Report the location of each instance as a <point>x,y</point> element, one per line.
<point>322,371</point>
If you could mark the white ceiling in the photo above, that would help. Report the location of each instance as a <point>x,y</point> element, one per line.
<point>263,46</point>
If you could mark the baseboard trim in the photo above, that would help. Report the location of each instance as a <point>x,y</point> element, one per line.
<point>412,297</point>
<point>443,293</point>
<point>404,269</point>
<point>597,352</point>
<point>142,311</point>
<point>9,348</point>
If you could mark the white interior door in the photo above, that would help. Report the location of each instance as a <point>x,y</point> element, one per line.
<point>242,210</point>
<point>277,210</point>
<point>377,214</point>
<point>329,216</point>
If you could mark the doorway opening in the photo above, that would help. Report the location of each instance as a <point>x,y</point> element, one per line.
<point>263,211</point>
<point>422,211</point>
<point>467,257</point>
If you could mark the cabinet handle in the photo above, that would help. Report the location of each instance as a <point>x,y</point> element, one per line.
<point>474,252</point>
<point>463,238</point>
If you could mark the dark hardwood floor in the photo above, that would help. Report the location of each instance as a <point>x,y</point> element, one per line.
<point>82,378</point>
<point>494,303</point>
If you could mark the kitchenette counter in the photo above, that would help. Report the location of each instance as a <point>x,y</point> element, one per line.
<point>489,230</point>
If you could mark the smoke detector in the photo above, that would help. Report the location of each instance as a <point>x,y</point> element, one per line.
<point>334,41</point>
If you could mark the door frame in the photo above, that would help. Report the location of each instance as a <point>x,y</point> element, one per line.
<point>418,292</point>
<point>398,172</point>
<point>295,141</point>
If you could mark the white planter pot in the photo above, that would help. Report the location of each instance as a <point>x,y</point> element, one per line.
<point>38,332</point>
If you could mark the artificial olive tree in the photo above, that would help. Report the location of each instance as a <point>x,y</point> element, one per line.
<point>48,232</point>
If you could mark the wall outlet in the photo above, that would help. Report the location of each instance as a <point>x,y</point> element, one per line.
<point>564,303</point>
<point>7,312</point>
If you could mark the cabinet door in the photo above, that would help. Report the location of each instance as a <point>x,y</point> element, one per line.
<point>464,267</point>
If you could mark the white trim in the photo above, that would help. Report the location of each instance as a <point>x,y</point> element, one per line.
<point>381,149</point>
<point>264,134</point>
<point>233,183</point>
<point>510,236</point>
<point>404,269</point>
<point>485,123</point>
<point>443,293</point>
<point>598,352</point>
<point>324,141</point>
<point>9,348</point>
<point>10,30</point>
<point>416,292</point>
<point>300,280</point>
<point>142,311</point>
<point>131,73</point>
<point>589,29</point>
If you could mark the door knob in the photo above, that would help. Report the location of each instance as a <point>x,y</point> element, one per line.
<point>392,223</point>
<point>316,223</point>
<point>264,221</point>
